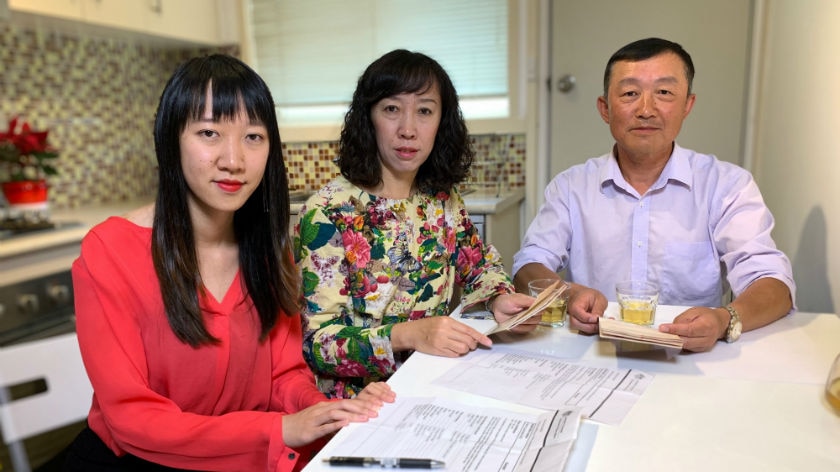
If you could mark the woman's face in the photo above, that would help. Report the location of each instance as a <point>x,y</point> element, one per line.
<point>406,126</point>
<point>223,161</point>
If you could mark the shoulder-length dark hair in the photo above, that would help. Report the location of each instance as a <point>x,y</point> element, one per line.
<point>397,72</point>
<point>261,226</point>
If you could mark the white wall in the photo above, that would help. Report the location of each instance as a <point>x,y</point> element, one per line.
<point>797,155</point>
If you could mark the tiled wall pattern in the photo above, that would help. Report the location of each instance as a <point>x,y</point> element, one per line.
<point>97,97</point>
<point>499,162</point>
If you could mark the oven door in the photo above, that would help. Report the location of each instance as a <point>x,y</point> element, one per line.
<point>31,310</point>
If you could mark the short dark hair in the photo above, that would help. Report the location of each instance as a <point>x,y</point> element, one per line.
<point>402,71</point>
<point>645,49</point>
<point>261,225</point>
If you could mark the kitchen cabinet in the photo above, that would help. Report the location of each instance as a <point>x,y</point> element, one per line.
<point>190,20</point>
<point>68,9</point>
<point>121,14</point>
<point>196,22</point>
<point>498,222</point>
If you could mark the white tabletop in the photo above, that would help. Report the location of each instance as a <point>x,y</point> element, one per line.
<point>756,404</point>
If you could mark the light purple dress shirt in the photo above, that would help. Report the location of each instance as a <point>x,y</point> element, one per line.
<point>701,216</point>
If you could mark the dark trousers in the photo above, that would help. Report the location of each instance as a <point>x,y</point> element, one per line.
<point>88,453</point>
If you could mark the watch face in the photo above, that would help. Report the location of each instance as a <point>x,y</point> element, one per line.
<point>734,332</point>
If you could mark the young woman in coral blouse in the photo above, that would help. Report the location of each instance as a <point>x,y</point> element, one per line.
<point>187,310</point>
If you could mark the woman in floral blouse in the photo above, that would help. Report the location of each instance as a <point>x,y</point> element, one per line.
<point>386,247</point>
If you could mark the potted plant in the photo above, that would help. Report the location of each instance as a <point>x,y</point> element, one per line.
<point>26,161</point>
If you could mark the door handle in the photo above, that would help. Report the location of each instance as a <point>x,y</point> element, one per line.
<point>566,83</point>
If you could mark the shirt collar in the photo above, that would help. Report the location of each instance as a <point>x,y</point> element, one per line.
<point>678,169</point>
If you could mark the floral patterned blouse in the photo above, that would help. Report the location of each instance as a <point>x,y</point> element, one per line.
<point>369,263</point>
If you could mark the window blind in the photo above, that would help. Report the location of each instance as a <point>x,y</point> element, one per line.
<point>312,52</point>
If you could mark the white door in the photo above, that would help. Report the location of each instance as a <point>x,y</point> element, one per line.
<point>585,33</point>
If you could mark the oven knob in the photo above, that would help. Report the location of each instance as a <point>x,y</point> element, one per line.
<point>28,303</point>
<point>59,294</point>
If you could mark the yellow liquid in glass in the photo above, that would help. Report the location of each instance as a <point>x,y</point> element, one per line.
<point>640,313</point>
<point>832,394</point>
<point>554,315</point>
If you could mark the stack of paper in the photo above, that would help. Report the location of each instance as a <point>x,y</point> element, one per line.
<point>464,436</point>
<point>621,330</point>
<point>543,300</point>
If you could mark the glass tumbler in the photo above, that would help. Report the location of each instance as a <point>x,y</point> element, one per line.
<point>832,385</point>
<point>553,315</point>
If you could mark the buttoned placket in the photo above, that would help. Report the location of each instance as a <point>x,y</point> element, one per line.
<point>639,249</point>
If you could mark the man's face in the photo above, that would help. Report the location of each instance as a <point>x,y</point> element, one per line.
<point>646,104</point>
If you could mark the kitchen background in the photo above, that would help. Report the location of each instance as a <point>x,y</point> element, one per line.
<point>96,93</point>
<point>97,97</point>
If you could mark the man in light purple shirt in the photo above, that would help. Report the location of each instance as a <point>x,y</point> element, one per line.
<point>652,210</point>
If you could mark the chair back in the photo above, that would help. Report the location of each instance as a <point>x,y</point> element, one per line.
<point>67,399</point>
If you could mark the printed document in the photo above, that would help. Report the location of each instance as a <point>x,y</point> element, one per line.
<point>603,394</point>
<point>465,437</point>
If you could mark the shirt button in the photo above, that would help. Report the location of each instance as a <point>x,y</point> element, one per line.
<point>638,244</point>
<point>291,456</point>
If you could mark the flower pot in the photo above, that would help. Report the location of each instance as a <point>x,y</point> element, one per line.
<point>29,194</point>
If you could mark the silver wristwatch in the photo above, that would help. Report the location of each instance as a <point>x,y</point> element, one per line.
<point>733,331</point>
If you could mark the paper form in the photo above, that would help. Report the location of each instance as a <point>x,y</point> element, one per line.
<point>465,437</point>
<point>603,394</point>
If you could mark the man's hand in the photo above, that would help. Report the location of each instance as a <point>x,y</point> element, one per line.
<point>585,306</point>
<point>700,327</point>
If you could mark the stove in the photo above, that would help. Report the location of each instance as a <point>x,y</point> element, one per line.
<point>36,302</point>
<point>15,227</point>
<point>36,308</point>
<point>42,305</point>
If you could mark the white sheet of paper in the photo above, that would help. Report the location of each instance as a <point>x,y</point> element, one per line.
<point>603,394</point>
<point>465,437</point>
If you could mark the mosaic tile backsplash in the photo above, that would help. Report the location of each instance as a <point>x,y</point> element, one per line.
<point>499,162</point>
<point>97,98</point>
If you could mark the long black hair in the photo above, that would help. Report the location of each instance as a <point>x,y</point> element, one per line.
<point>261,226</point>
<point>397,72</point>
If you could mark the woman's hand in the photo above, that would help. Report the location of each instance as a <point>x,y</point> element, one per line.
<point>508,305</point>
<point>327,417</point>
<point>377,392</point>
<point>438,335</point>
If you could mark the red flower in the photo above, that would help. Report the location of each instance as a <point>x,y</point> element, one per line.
<point>356,247</point>
<point>26,151</point>
<point>28,141</point>
<point>350,368</point>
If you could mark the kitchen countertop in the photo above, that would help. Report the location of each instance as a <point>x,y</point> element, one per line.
<point>478,201</point>
<point>71,227</point>
<point>50,251</point>
<point>488,201</point>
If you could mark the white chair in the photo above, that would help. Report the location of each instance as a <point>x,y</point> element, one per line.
<point>67,400</point>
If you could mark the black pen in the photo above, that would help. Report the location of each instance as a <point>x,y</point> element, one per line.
<point>386,462</point>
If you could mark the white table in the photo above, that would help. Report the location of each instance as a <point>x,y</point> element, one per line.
<point>756,404</point>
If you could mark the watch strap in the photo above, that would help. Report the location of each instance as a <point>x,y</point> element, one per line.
<point>733,331</point>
